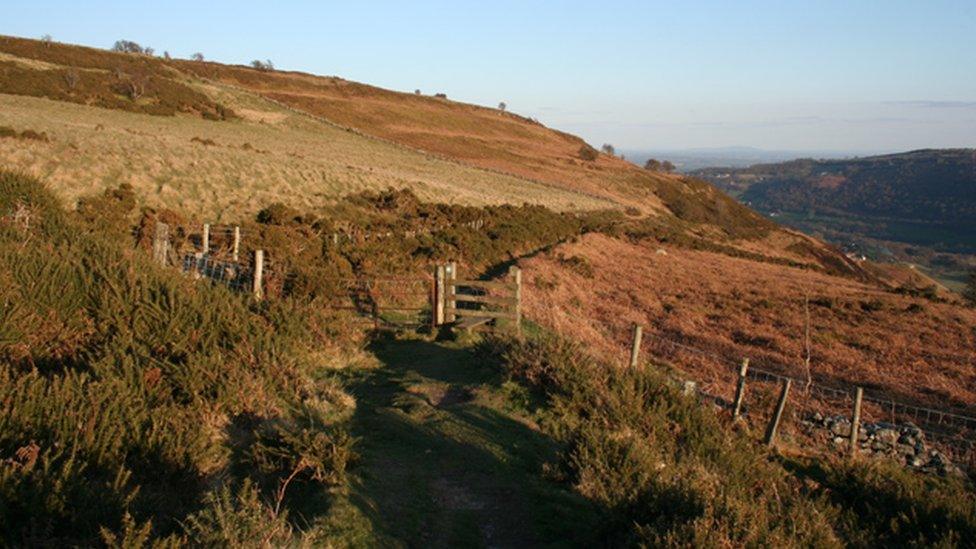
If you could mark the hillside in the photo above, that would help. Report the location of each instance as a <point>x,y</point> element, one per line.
<point>307,140</point>
<point>917,207</point>
<point>149,396</point>
<point>143,407</point>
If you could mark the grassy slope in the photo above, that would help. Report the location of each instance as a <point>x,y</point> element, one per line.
<point>188,407</point>
<point>319,137</point>
<point>908,347</point>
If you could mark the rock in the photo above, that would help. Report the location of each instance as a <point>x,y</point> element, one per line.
<point>817,417</point>
<point>887,436</point>
<point>915,461</point>
<point>905,449</point>
<point>839,440</point>
<point>841,428</point>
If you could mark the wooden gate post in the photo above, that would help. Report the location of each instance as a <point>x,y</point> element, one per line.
<point>856,420</point>
<point>635,345</point>
<point>516,274</point>
<point>778,414</point>
<point>206,238</point>
<point>237,242</point>
<point>161,243</point>
<point>451,304</point>
<point>258,274</point>
<point>740,389</point>
<point>440,278</point>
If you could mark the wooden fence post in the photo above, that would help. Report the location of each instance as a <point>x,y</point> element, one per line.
<point>635,345</point>
<point>206,238</point>
<point>161,243</point>
<point>451,303</point>
<point>237,242</point>
<point>856,420</point>
<point>516,274</point>
<point>740,389</point>
<point>778,414</point>
<point>258,274</point>
<point>440,278</point>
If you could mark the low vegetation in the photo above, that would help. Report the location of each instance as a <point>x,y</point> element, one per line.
<point>667,472</point>
<point>8,132</point>
<point>136,405</point>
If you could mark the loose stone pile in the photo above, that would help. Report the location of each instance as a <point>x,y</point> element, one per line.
<point>904,443</point>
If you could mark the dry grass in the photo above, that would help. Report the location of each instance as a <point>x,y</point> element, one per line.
<point>269,156</point>
<point>475,135</point>
<point>908,347</point>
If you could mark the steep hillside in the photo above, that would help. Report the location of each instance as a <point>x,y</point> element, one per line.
<point>466,134</point>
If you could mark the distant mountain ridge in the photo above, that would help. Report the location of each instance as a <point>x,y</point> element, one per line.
<point>930,185</point>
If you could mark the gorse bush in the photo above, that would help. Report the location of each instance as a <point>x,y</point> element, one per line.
<point>122,387</point>
<point>667,472</point>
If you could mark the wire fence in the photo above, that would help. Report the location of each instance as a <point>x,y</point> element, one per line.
<point>814,403</point>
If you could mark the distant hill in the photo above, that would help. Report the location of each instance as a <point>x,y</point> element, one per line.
<point>925,198</point>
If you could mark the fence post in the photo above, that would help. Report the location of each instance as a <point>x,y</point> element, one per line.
<point>439,280</point>
<point>517,280</point>
<point>778,414</point>
<point>635,345</point>
<point>237,242</point>
<point>856,420</point>
<point>451,278</point>
<point>258,274</point>
<point>161,243</point>
<point>206,238</point>
<point>740,389</point>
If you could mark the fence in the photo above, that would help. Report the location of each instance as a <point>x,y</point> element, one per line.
<point>223,267</point>
<point>473,303</point>
<point>384,301</point>
<point>811,411</point>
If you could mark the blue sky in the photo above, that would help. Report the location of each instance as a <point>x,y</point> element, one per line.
<point>829,75</point>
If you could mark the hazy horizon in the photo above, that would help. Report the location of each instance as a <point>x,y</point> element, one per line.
<point>871,76</point>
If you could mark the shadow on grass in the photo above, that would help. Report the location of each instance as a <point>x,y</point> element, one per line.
<point>440,468</point>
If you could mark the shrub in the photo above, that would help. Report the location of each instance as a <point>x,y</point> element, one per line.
<point>669,473</point>
<point>117,380</point>
<point>279,214</point>
<point>587,153</point>
<point>6,131</point>
<point>608,149</point>
<point>663,468</point>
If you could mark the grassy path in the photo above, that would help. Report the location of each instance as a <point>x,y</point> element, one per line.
<point>443,464</point>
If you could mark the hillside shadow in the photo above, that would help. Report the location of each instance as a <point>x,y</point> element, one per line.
<point>438,468</point>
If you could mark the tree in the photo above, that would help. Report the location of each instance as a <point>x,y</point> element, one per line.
<point>166,55</point>
<point>417,91</point>
<point>197,56</point>
<point>128,46</point>
<point>502,106</point>
<point>652,165</point>
<point>266,65</point>
<point>667,166</point>
<point>970,292</point>
<point>47,39</point>
<point>607,148</point>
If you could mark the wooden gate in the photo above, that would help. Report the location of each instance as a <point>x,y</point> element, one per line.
<point>468,304</point>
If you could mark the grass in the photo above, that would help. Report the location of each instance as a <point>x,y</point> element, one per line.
<point>303,163</point>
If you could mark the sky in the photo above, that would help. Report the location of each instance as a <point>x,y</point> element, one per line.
<point>854,75</point>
